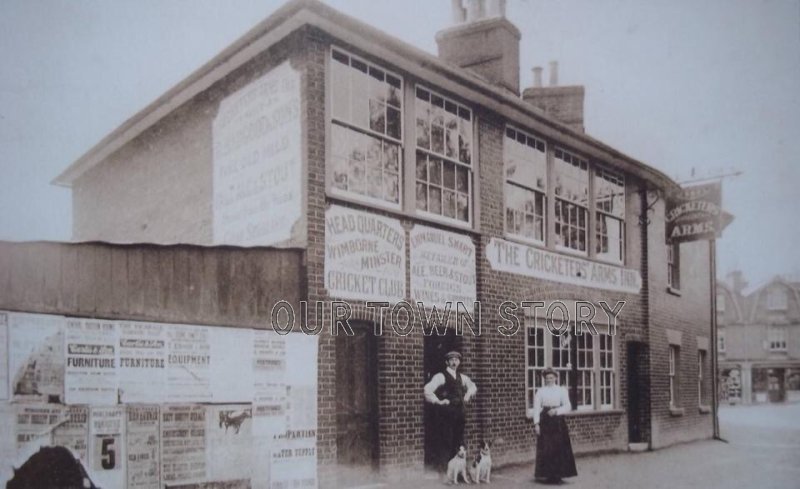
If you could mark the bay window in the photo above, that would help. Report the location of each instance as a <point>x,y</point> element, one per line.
<point>366,131</point>
<point>443,157</point>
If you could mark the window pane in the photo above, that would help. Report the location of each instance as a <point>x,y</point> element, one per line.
<point>393,122</point>
<point>435,200</point>
<point>422,196</point>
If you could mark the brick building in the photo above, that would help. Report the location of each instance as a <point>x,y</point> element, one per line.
<point>403,177</point>
<point>759,352</point>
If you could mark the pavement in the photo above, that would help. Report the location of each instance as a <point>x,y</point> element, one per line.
<point>762,450</point>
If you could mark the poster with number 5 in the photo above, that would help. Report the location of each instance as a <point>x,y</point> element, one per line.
<point>107,446</point>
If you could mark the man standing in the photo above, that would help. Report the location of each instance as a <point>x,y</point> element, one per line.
<point>450,391</point>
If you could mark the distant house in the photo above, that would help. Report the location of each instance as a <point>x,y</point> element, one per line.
<point>759,340</point>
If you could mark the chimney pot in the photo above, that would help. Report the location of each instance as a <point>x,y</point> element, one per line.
<point>537,76</point>
<point>553,73</point>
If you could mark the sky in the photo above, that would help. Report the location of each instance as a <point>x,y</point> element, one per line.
<point>703,88</point>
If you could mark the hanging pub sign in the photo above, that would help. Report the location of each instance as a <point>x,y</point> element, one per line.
<point>695,213</point>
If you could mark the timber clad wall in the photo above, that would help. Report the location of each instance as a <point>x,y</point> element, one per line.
<point>181,284</point>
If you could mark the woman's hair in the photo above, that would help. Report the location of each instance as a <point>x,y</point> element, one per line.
<point>549,371</point>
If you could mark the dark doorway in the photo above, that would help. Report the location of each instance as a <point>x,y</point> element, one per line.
<point>435,349</point>
<point>637,393</point>
<point>357,398</point>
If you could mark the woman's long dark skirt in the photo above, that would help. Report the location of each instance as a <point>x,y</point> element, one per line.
<point>554,458</point>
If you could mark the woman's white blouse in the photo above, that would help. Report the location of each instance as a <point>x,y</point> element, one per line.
<point>551,396</point>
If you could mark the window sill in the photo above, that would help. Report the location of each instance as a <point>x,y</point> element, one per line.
<point>674,291</point>
<point>365,206</point>
<point>704,409</point>
<point>676,412</point>
<point>594,412</point>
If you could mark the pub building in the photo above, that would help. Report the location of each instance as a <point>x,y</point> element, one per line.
<point>340,163</point>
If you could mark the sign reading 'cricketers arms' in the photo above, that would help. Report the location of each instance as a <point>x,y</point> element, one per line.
<point>258,164</point>
<point>442,267</point>
<point>511,257</point>
<point>365,256</point>
<point>696,214</point>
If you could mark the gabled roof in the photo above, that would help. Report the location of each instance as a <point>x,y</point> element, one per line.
<point>298,13</point>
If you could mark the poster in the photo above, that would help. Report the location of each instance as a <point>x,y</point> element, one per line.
<point>4,380</point>
<point>231,374</point>
<point>35,424</point>
<point>229,442</point>
<point>183,444</point>
<point>107,446</point>
<point>293,462</point>
<point>36,357</point>
<point>257,165</point>
<point>442,268</point>
<point>91,355</point>
<point>269,399</point>
<point>143,435</point>
<point>73,431</point>
<point>142,371</point>
<point>365,256</point>
<point>188,364</point>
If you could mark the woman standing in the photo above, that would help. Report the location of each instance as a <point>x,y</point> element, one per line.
<point>554,458</point>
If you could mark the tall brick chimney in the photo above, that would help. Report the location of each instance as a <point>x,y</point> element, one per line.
<point>484,41</point>
<point>564,104</point>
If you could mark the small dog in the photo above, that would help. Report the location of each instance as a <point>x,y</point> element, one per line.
<point>458,466</point>
<point>481,468</point>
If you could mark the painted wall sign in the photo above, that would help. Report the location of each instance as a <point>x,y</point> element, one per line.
<point>257,163</point>
<point>519,259</point>
<point>442,267</point>
<point>696,213</point>
<point>365,256</point>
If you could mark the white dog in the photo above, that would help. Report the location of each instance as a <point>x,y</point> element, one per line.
<point>481,468</point>
<point>458,466</point>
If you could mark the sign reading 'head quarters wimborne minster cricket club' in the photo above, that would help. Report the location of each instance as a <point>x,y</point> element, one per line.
<point>696,213</point>
<point>365,256</point>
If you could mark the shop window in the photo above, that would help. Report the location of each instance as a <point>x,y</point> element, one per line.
<point>777,338</point>
<point>673,377</point>
<point>526,185</point>
<point>585,365</point>
<point>777,299</point>
<point>571,190</point>
<point>443,157</point>
<point>366,132</point>
<point>674,266</point>
<point>609,194</point>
